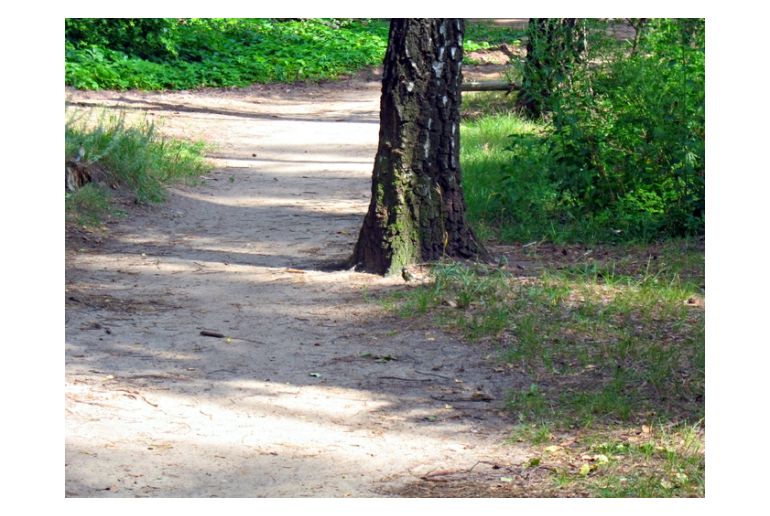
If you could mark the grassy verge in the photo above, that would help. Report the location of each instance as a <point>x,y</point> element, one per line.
<point>612,352</point>
<point>125,157</point>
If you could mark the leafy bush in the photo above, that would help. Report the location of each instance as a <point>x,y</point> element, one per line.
<point>629,135</point>
<point>147,38</point>
<point>626,144</point>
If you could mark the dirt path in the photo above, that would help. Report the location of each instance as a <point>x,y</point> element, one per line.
<point>318,392</point>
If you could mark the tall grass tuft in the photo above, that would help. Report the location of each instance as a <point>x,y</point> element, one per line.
<point>134,157</point>
<point>509,192</point>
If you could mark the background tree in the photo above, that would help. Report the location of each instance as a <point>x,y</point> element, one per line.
<point>417,210</point>
<point>553,46</point>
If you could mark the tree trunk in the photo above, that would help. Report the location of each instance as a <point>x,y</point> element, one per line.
<point>417,210</point>
<point>554,45</point>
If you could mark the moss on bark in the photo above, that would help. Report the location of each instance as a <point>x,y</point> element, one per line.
<point>417,212</point>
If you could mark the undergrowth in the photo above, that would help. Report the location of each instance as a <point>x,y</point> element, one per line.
<point>187,53</point>
<point>617,153</point>
<point>197,52</point>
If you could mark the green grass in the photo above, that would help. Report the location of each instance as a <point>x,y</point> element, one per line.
<point>508,193</point>
<point>659,462</point>
<point>132,157</point>
<point>479,104</point>
<point>608,345</point>
<point>88,206</point>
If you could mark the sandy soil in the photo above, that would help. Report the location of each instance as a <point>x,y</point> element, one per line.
<point>317,392</point>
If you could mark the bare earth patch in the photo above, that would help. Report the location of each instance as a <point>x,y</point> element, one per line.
<point>311,390</point>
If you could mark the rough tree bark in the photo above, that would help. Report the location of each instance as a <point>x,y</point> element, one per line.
<point>417,210</point>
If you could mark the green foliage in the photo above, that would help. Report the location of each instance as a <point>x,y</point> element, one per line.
<point>147,38</point>
<point>186,53</point>
<point>134,156</point>
<point>554,47</point>
<point>191,53</point>
<point>628,136</point>
<point>620,154</point>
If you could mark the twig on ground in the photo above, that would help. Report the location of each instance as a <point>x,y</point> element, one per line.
<point>405,379</point>
<point>433,374</point>
<point>134,394</point>
<point>477,396</point>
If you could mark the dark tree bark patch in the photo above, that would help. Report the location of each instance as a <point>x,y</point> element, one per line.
<point>417,210</point>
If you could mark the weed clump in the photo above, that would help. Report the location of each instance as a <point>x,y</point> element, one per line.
<point>132,157</point>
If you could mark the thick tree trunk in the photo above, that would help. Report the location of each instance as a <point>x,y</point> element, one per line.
<point>417,211</point>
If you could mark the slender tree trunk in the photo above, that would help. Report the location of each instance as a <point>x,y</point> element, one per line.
<point>417,211</point>
<point>554,45</point>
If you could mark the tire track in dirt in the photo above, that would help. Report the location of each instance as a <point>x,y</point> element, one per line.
<point>317,392</point>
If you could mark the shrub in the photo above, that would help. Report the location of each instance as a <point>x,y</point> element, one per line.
<point>628,133</point>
